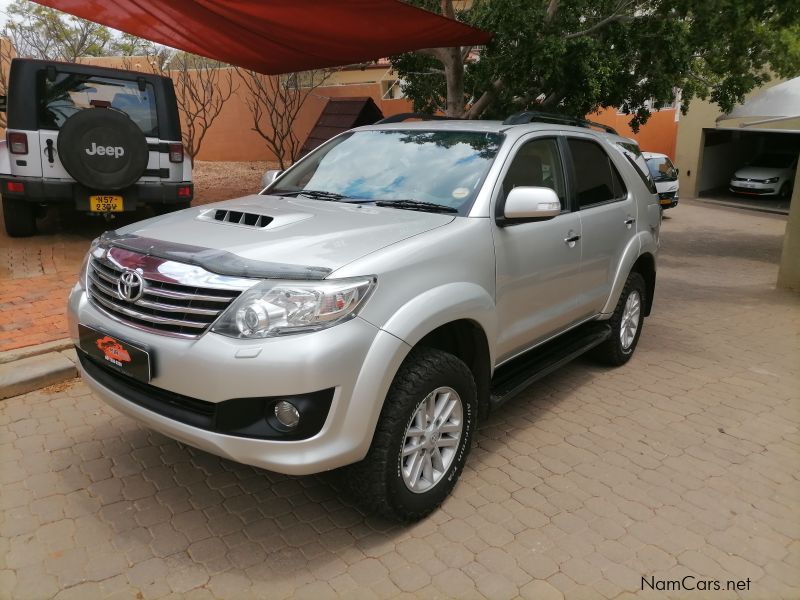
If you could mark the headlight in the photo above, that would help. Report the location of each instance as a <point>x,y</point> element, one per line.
<point>772,180</point>
<point>283,307</point>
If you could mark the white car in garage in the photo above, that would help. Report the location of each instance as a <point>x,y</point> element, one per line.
<point>665,176</point>
<point>769,174</point>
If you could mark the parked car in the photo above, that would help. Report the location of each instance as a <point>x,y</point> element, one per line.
<point>770,174</point>
<point>376,301</point>
<point>665,176</point>
<point>98,140</point>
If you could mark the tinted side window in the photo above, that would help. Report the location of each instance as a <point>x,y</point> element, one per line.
<point>596,179</point>
<point>536,164</point>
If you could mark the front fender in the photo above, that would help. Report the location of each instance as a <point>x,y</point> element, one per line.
<point>442,305</point>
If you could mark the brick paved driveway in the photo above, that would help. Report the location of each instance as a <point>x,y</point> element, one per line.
<point>684,462</point>
<point>37,273</point>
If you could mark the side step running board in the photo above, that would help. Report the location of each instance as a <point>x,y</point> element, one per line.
<point>516,375</point>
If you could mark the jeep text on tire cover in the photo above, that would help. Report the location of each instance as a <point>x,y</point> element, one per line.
<point>378,299</point>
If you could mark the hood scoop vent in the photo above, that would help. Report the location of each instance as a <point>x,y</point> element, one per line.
<point>236,217</point>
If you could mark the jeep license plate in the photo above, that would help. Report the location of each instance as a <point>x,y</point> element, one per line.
<point>115,353</point>
<point>103,204</point>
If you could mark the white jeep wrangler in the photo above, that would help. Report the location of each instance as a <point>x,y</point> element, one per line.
<point>96,139</point>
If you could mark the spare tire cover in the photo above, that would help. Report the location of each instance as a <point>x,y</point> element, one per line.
<point>103,149</point>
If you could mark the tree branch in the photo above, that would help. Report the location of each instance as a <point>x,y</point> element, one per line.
<point>616,16</point>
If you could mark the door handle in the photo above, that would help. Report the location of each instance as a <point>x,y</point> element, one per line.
<point>50,151</point>
<point>629,221</point>
<point>571,240</point>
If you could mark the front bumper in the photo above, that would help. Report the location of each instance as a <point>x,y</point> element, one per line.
<point>51,191</point>
<point>668,199</point>
<point>754,188</point>
<point>355,360</point>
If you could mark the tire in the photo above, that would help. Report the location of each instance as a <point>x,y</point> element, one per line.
<point>786,190</point>
<point>102,149</point>
<point>382,482</point>
<point>618,349</point>
<point>19,217</point>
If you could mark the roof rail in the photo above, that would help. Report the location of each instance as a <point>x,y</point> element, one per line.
<point>534,116</point>
<point>399,118</point>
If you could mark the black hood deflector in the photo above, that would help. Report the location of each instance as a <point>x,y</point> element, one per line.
<point>214,261</point>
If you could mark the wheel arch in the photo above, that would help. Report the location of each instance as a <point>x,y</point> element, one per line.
<point>467,340</point>
<point>645,265</point>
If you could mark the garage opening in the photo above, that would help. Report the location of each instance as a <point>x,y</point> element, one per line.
<point>727,150</point>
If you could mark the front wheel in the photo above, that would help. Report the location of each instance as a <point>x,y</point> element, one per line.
<point>786,191</point>
<point>422,438</point>
<point>626,323</point>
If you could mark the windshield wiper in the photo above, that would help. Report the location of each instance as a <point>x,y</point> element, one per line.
<point>417,205</point>
<point>315,194</point>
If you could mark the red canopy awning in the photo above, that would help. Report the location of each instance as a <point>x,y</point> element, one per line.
<point>279,36</point>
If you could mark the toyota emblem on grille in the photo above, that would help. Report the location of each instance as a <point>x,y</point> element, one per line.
<point>130,286</point>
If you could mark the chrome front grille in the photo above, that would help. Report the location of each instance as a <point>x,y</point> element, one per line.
<point>167,307</point>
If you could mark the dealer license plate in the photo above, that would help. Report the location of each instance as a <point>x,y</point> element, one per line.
<point>103,204</point>
<point>117,354</point>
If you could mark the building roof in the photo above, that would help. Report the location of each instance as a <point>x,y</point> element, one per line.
<point>341,114</point>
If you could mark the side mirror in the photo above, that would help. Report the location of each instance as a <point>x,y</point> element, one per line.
<point>270,176</point>
<point>531,203</point>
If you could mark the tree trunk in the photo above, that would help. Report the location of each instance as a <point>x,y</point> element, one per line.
<point>454,75</point>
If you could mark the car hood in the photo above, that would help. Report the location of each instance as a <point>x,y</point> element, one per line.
<point>666,186</point>
<point>759,172</point>
<point>292,237</point>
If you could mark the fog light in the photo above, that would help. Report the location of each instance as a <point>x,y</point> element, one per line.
<point>287,414</point>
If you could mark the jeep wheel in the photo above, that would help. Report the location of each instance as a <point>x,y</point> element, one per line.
<point>19,217</point>
<point>422,438</point>
<point>626,324</point>
<point>103,149</point>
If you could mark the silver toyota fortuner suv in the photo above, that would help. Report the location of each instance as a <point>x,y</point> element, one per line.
<point>370,306</point>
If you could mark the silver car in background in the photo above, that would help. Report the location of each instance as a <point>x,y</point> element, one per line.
<point>376,301</point>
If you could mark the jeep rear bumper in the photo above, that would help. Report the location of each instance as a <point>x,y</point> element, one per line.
<point>44,191</point>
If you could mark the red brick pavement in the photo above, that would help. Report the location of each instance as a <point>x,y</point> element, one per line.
<point>37,273</point>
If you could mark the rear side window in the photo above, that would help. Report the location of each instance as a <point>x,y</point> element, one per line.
<point>596,178</point>
<point>69,93</point>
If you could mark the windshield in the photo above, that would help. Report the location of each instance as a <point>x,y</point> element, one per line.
<point>69,93</point>
<point>661,169</point>
<point>439,167</point>
<point>773,161</point>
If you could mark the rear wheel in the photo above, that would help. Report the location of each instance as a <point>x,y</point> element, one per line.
<point>422,438</point>
<point>19,217</point>
<point>626,323</point>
